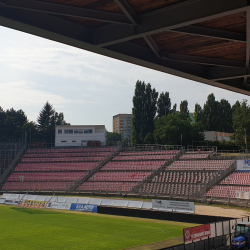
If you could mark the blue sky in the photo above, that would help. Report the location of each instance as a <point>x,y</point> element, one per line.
<point>88,88</point>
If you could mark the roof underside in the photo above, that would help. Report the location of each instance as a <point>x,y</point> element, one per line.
<point>202,40</point>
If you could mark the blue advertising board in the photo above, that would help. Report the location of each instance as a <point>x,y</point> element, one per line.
<point>243,165</point>
<point>83,207</point>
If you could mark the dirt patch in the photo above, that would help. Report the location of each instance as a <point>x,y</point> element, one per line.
<point>220,211</point>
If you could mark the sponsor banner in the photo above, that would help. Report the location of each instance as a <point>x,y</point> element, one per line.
<point>196,233</point>
<point>2,200</point>
<point>59,205</point>
<point>180,206</point>
<point>243,165</point>
<point>32,203</point>
<point>242,195</point>
<point>83,207</point>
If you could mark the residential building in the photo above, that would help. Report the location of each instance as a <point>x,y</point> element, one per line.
<point>122,124</point>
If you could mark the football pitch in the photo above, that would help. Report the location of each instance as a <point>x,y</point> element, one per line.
<point>26,228</point>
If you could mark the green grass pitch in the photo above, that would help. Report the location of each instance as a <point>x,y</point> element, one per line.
<point>26,228</point>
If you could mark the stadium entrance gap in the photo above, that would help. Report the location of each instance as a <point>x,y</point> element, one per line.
<point>202,40</point>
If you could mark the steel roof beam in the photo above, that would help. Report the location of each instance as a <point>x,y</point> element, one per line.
<point>44,21</point>
<point>66,10</point>
<point>212,33</point>
<point>220,73</point>
<point>173,17</point>
<point>131,15</point>
<point>144,53</point>
<point>202,60</point>
<point>127,10</point>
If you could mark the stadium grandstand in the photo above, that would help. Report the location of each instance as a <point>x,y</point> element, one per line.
<point>143,170</point>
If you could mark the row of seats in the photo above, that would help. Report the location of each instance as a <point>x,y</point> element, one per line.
<point>143,157</point>
<point>107,186</point>
<point>199,152</point>
<point>75,150</point>
<point>47,176</point>
<point>120,176</point>
<point>133,165</point>
<point>222,191</point>
<point>170,189</point>
<point>164,152</point>
<point>50,155</point>
<point>201,165</point>
<point>25,186</point>
<point>65,159</point>
<point>62,166</point>
<point>194,156</point>
<point>237,178</point>
<point>184,177</point>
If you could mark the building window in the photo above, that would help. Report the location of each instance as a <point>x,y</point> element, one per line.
<point>66,131</point>
<point>80,131</point>
<point>63,141</point>
<point>70,131</point>
<point>215,137</point>
<point>76,131</point>
<point>59,131</point>
<point>73,141</point>
<point>88,131</point>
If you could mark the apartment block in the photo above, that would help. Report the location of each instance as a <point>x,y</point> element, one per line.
<point>122,124</point>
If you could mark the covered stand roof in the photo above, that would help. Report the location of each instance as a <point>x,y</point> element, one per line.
<point>202,40</point>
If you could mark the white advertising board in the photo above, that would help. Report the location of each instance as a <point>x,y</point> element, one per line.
<point>243,165</point>
<point>242,195</point>
<point>174,206</point>
<point>59,205</point>
<point>2,200</point>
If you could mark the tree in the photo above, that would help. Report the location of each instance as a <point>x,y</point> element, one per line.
<point>198,114</point>
<point>225,117</point>
<point>2,120</point>
<point>13,123</point>
<point>235,106</point>
<point>173,111</point>
<point>241,122</point>
<point>137,111</point>
<point>184,108</point>
<point>47,120</point>
<point>113,136</point>
<point>144,110</point>
<point>210,113</point>
<point>149,111</point>
<point>170,129</point>
<point>32,130</point>
<point>163,104</point>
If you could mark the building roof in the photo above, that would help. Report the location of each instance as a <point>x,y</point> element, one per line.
<point>202,40</point>
<point>80,125</point>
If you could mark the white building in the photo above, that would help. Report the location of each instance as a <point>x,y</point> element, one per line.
<point>80,135</point>
<point>217,136</point>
